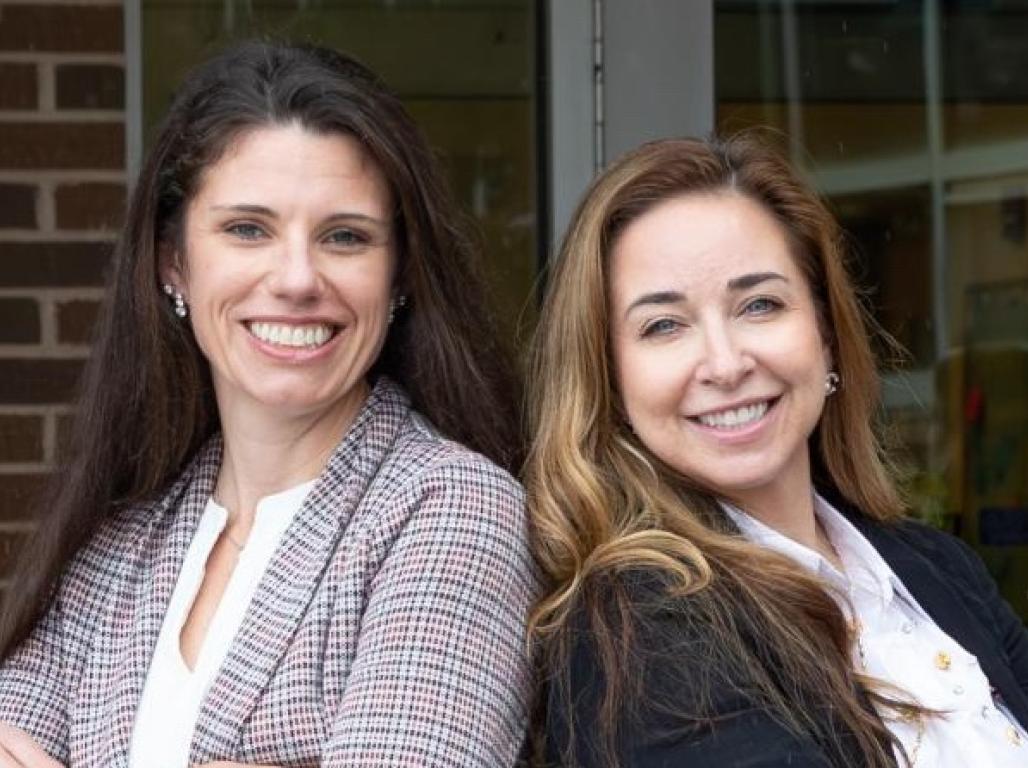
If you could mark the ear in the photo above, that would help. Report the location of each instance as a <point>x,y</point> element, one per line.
<point>168,268</point>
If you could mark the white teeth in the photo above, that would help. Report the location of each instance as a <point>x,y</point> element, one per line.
<point>735,418</point>
<point>292,335</point>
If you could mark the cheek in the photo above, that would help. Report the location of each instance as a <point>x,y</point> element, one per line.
<point>364,286</point>
<point>650,383</point>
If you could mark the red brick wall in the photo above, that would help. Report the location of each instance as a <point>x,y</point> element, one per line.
<point>62,187</point>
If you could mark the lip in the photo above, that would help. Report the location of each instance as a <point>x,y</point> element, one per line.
<point>292,320</point>
<point>735,436</point>
<point>772,399</point>
<point>294,354</point>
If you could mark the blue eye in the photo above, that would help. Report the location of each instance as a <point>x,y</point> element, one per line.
<point>245,230</point>
<point>762,305</point>
<point>660,327</point>
<point>345,237</point>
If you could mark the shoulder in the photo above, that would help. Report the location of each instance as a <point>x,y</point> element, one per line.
<point>658,679</point>
<point>942,551</point>
<point>420,454</point>
<point>656,625</point>
<point>427,479</point>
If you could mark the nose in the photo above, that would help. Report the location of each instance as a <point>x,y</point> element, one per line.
<point>294,274</point>
<point>724,363</point>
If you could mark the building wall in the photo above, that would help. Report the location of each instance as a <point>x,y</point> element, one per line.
<point>62,189</point>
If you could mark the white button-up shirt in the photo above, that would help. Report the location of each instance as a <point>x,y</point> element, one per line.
<point>899,644</point>
<point>174,693</point>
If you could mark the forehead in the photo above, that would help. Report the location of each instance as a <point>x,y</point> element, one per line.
<point>699,242</point>
<point>288,164</point>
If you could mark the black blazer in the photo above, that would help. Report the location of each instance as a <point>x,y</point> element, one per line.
<point>942,573</point>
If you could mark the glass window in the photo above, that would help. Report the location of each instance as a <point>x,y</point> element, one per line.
<point>466,70</point>
<point>911,116</point>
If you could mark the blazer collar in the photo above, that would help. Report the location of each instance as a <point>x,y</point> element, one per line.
<point>172,522</point>
<point>945,602</point>
<point>295,573</point>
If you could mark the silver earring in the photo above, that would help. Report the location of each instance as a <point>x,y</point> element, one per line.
<point>395,304</point>
<point>179,300</point>
<point>832,382</point>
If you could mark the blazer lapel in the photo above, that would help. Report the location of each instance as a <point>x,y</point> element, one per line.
<point>944,600</point>
<point>294,575</point>
<point>928,586</point>
<point>174,521</point>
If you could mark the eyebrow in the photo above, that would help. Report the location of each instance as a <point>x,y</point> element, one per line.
<point>741,283</point>
<point>744,282</point>
<point>658,298</point>
<point>260,210</point>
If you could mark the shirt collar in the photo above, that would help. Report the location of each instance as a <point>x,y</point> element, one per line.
<point>863,564</point>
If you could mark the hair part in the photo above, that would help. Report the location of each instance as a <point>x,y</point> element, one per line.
<point>146,400</point>
<point>604,507</point>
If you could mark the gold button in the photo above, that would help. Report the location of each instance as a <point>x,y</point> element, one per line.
<point>1013,736</point>
<point>943,661</point>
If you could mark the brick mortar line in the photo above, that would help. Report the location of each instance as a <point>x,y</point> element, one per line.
<point>49,439</point>
<point>43,351</point>
<point>48,335</point>
<point>112,116</point>
<point>25,468</point>
<point>57,235</point>
<point>46,57</point>
<point>76,3</point>
<point>46,79</point>
<point>64,176</point>
<point>11,526</point>
<point>53,294</point>
<point>46,207</point>
<point>9,409</point>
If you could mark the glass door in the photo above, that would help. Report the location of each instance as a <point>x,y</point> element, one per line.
<point>911,116</point>
<point>466,70</point>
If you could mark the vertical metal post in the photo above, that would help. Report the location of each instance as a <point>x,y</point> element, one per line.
<point>573,123</point>
<point>933,115</point>
<point>132,20</point>
<point>658,71</point>
<point>793,82</point>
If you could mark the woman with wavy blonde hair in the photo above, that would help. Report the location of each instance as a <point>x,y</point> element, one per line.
<point>732,580</point>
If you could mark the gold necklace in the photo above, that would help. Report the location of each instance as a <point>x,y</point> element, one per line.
<point>232,540</point>
<point>906,717</point>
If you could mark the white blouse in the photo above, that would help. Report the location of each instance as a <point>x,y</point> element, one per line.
<point>173,694</point>
<point>901,645</point>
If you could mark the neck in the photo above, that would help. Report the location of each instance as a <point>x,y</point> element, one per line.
<point>789,509</point>
<point>266,452</point>
<point>791,514</point>
<point>786,505</point>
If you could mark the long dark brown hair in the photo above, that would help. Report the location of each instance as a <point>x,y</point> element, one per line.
<point>606,512</point>
<point>146,403</point>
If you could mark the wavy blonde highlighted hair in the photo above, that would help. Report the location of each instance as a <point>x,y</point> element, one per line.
<point>602,505</point>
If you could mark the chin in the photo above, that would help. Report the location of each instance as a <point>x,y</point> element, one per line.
<point>736,483</point>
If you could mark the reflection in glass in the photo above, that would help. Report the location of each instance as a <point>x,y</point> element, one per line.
<point>912,118</point>
<point>464,68</point>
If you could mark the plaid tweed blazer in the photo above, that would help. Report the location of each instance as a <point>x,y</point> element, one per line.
<point>388,630</point>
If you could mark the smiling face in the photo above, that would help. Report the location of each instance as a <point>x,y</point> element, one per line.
<point>287,269</point>
<point>719,360</point>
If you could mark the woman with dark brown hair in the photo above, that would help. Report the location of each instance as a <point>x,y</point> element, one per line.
<point>285,533</point>
<point>732,579</point>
